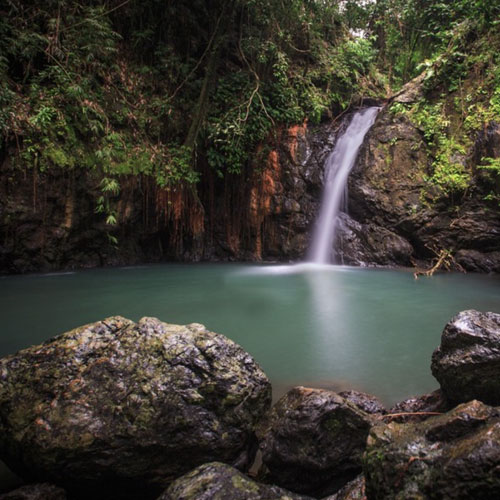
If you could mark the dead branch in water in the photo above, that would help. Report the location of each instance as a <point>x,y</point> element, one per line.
<point>443,258</point>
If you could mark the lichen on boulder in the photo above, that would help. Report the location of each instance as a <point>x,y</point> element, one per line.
<point>452,456</point>
<point>218,481</point>
<point>131,406</point>
<point>467,363</point>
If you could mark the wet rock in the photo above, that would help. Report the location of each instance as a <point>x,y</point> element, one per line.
<point>313,441</point>
<point>386,183</point>
<point>354,490</point>
<point>473,228</point>
<point>452,456</point>
<point>217,481</point>
<point>365,402</point>
<point>420,408</point>
<point>42,491</point>
<point>487,143</point>
<point>479,262</point>
<point>369,244</point>
<point>129,406</point>
<point>467,363</point>
<point>388,189</point>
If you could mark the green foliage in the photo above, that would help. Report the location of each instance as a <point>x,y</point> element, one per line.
<point>159,89</point>
<point>43,117</point>
<point>151,88</point>
<point>482,109</point>
<point>407,32</point>
<point>398,108</point>
<point>490,167</point>
<point>449,176</point>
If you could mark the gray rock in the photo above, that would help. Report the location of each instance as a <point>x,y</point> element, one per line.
<point>365,402</point>
<point>130,406</point>
<point>480,262</point>
<point>388,189</point>
<point>313,441</point>
<point>41,491</point>
<point>467,363</point>
<point>412,90</point>
<point>420,408</point>
<point>217,481</point>
<point>452,456</point>
<point>369,244</point>
<point>354,490</point>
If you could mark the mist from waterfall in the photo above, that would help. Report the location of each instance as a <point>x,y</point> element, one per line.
<point>338,165</point>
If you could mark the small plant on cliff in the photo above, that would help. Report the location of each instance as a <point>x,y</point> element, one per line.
<point>449,175</point>
<point>491,169</point>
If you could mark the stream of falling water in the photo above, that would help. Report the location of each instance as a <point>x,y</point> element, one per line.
<point>338,165</point>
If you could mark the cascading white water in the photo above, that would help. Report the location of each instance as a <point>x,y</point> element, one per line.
<point>338,165</point>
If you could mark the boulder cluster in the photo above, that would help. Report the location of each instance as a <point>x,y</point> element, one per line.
<point>151,410</point>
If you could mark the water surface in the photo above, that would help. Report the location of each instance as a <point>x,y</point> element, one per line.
<point>326,326</point>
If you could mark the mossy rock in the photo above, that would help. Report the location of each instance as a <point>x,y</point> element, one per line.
<point>218,481</point>
<point>454,456</point>
<point>130,406</point>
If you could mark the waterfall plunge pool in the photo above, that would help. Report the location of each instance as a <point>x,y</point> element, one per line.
<point>325,326</point>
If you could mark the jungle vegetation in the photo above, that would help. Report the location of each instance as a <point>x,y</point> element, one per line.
<point>169,88</point>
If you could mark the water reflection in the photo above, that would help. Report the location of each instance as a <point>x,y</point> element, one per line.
<point>327,326</point>
<point>330,331</point>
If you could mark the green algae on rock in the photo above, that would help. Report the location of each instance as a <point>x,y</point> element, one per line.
<point>218,481</point>
<point>454,456</point>
<point>129,405</point>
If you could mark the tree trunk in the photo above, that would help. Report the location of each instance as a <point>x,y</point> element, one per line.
<point>201,108</point>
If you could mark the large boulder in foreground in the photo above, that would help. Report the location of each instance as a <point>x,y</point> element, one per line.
<point>452,456</point>
<point>467,363</point>
<point>313,441</point>
<point>217,481</point>
<point>129,406</point>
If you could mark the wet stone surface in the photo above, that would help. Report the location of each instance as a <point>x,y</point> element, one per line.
<point>453,456</point>
<point>129,406</point>
<point>467,363</point>
<point>313,441</point>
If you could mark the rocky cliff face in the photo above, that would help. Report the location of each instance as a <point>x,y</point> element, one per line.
<point>388,189</point>
<point>48,220</point>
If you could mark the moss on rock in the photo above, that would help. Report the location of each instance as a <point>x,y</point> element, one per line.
<point>217,481</point>
<point>130,405</point>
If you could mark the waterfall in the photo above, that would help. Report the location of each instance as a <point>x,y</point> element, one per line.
<point>338,165</point>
